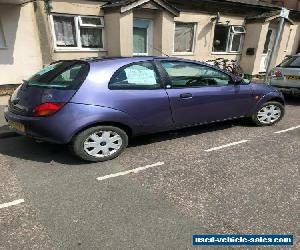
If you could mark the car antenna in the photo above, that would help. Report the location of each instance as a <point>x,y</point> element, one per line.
<point>159,50</point>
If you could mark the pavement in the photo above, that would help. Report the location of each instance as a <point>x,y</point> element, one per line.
<point>199,188</point>
<point>4,100</point>
<point>4,130</point>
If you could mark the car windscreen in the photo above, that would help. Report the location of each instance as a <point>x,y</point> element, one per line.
<point>61,75</point>
<point>292,62</point>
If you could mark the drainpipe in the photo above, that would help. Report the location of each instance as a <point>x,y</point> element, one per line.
<point>274,53</point>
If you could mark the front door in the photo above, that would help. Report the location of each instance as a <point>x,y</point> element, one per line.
<point>142,37</point>
<point>200,94</point>
<point>269,43</point>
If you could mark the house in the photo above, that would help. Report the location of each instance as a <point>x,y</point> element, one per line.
<point>36,33</point>
<point>290,4</point>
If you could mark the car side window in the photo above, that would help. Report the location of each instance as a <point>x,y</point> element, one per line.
<point>140,75</point>
<point>185,74</point>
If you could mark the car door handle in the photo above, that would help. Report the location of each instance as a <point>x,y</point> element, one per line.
<point>186,96</point>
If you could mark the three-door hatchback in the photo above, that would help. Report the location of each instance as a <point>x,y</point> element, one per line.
<point>95,105</point>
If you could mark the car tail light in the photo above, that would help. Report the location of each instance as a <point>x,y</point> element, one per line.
<point>277,74</point>
<point>47,108</point>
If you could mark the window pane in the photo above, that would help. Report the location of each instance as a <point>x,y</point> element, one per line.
<point>220,38</point>
<point>236,42</point>
<point>293,62</point>
<point>267,42</point>
<point>44,71</point>
<point>2,39</point>
<point>238,29</point>
<point>91,20</point>
<point>68,76</point>
<point>139,40</point>
<point>65,31</point>
<point>139,75</point>
<point>184,37</point>
<point>91,37</point>
<point>183,75</point>
<point>65,74</point>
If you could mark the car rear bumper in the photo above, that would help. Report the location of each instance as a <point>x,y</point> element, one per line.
<point>40,128</point>
<point>62,126</point>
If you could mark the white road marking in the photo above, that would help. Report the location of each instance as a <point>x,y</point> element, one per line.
<point>287,130</point>
<point>135,170</point>
<point>226,146</point>
<point>13,203</point>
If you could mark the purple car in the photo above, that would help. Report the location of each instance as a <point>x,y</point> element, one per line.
<point>95,105</point>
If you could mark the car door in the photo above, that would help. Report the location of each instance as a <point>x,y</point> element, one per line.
<point>136,89</point>
<point>200,94</point>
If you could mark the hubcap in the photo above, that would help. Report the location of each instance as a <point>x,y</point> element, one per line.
<point>269,114</point>
<point>103,143</point>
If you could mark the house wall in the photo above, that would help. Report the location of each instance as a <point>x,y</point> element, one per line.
<point>112,22</point>
<point>295,42</point>
<point>286,44</point>
<point>254,38</point>
<point>163,24</point>
<point>167,35</point>
<point>126,33</point>
<point>260,48</point>
<point>74,7</point>
<point>119,32</point>
<point>163,39</point>
<point>204,35</point>
<point>22,56</point>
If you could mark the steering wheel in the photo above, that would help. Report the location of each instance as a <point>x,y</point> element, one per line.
<point>195,82</point>
<point>199,81</point>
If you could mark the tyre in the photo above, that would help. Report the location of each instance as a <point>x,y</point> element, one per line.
<point>268,114</point>
<point>101,143</point>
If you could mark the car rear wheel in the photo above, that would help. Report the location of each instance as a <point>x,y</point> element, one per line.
<point>99,143</point>
<point>268,114</point>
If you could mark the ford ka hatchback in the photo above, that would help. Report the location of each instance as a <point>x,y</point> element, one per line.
<point>95,105</point>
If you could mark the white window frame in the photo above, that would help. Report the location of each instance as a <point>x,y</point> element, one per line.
<point>78,24</point>
<point>2,34</point>
<point>230,36</point>
<point>186,53</point>
<point>81,24</point>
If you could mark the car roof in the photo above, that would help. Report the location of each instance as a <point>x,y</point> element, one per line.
<point>134,59</point>
<point>120,61</point>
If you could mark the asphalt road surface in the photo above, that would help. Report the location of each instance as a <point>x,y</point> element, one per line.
<point>224,178</point>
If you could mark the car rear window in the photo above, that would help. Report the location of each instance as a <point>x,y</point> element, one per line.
<point>62,75</point>
<point>292,62</point>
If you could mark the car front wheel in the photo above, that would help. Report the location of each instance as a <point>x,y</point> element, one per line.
<point>99,143</point>
<point>268,114</point>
